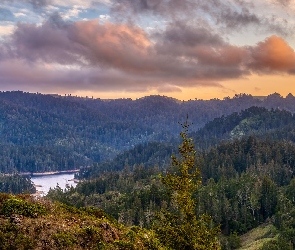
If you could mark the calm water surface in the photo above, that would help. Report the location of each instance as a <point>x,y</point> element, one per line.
<point>44,183</point>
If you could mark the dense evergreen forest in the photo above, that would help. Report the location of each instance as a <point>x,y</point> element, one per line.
<point>16,184</point>
<point>247,166</point>
<point>40,133</point>
<point>245,153</point>
<point>262,124</point>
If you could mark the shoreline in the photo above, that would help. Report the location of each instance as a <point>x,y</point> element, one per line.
<point>36,174</point>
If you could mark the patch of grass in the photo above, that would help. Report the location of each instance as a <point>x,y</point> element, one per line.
<point>255,239</point>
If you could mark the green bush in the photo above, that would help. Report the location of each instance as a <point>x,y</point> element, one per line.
<point>234,240</point>
<point>64,240</point>
<point>22,207</point>
<point>12,239</point>
<point>270,245</point>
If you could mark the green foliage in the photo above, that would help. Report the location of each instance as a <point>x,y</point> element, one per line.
<point>63,240</point>
<point>131,196</point>
<point>16,184</point>
<point>271,245</point>
<point>185,181</point>
<point>44,133</point>
<point>12,239</point>
<point>179,227</point>
<point>65,227</point>
<point>233,241</point>
<point>268,198</point>
<point>260,157</point>
<point>22,207</point>
<point>41,133</point>
<point>246,192</point>
<point>246,181</point>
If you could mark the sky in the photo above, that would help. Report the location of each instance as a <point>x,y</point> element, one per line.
<point>185,49</point>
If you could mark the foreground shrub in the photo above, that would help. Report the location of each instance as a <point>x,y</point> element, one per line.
<point>22,207</point>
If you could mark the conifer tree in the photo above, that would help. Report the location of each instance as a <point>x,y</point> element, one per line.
<point>178,227</point>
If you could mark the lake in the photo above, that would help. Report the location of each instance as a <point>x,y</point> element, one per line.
<point>45,182</point>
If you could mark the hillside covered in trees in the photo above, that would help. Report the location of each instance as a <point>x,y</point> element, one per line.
<point>40,133</point>
<point>30,224</point>
<point>245,153</point>
<point>247,178</point>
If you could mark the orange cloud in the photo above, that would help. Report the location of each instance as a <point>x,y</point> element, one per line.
<point>273,54</point>
<point>118,45</point>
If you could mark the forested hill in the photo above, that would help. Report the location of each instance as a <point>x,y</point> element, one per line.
<point>42,133</point>
<point>262,124</point>
<point>247,179</point>
<point>49,133</point>
<point>245,155</point>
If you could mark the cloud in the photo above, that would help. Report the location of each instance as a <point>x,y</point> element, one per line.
<point>42,77</point>
<point>5,30</point>
<point>189,34</point>
<point>154,7</point>
<point>37,4</point>
<point>19,14</point>
<point>48,42</point>
<point>227,16</point>
<point>166,88</point>
<point>112,56</point>
<point>210,55</point>
<point>74,12</point>
<point>112,45</point>
<point>80,3</point>
<point>284,3</point>
<point>272,55</point>
<point>230,14</point>
<point>237,19</point>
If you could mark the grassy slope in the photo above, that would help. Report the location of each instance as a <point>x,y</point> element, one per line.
<point>255,238</point>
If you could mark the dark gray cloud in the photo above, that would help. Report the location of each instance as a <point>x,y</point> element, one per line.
<point>202,47</point>
<point>224,13</point>
<point>234,19</point>
<point>227,15</point>
<point>238,15</point>
<point>189,34</point>
<point>37,4</point>
<point>6,15</point>
<point>49,42</point>
<point>155,7</point>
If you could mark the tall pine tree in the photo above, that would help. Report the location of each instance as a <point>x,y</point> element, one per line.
<point>178,227</point>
